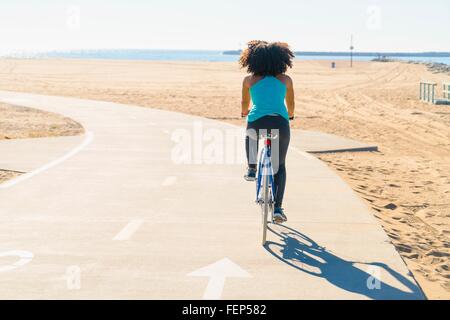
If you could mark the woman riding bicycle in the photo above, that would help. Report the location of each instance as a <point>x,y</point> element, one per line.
<point>272,95</point>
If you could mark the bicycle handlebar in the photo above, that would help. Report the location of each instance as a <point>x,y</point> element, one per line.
<point>269,136</point>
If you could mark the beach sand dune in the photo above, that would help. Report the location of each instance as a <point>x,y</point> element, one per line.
<point>407,183</point>
<point>7,175</point>
<point>20,122</point>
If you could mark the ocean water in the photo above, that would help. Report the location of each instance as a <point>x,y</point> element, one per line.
<point>184,55</point>
<point>155,55</point>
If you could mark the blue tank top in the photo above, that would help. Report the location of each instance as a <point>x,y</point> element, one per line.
<point>268,98</point>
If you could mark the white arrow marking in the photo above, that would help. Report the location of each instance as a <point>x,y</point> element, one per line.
<point>25,257</point>
<point>217,274</point>
<point>128,230</point>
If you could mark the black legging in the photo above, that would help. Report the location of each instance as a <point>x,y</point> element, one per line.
<point>278,126</point>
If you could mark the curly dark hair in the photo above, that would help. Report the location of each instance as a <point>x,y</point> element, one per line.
<point>262,58</point>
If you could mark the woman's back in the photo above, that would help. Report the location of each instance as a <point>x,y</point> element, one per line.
<point>268,98</point>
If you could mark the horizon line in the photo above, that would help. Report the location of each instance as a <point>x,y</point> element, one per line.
<point>213,50</point>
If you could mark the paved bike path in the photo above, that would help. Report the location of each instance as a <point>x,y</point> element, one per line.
<point>115,217</point>
<point>20,154</point>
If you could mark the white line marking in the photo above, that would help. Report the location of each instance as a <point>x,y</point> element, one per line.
<point>87,140</point>
<point>25,257</point>
<point>169,181</point>
<point>217,274</point>
<point>128,230</point>
<point>17,101</point>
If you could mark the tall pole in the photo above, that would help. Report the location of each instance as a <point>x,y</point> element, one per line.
<point>351,51</point>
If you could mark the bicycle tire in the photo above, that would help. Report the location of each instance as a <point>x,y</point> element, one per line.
<point>265,207</point>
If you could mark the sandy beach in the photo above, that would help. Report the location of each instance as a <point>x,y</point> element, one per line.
<point>20,122</point>
<point>406,183</point>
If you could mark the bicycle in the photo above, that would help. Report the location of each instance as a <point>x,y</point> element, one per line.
<point>265,184</point>
<point>265,181</point>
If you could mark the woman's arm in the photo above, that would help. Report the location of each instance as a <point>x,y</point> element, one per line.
<point>290,97</point>
<point>245,97</point>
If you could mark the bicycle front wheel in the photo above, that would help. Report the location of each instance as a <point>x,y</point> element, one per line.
<point>265,208</point>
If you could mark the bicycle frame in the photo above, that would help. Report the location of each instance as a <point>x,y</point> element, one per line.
<point>265,185</point>
<point>265,169</point>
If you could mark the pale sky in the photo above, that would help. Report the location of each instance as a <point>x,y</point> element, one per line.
<point>307,25</point>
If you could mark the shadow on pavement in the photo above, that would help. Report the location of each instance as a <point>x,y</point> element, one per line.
<point>304,254</point>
